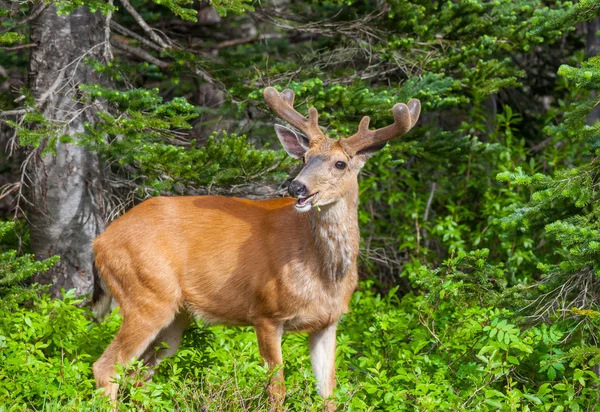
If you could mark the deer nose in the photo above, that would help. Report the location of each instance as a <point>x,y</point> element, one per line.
<point>297,189</point>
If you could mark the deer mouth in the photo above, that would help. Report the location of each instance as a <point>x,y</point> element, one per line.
<point>304,204</point>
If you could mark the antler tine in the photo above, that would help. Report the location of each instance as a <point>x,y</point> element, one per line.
<point>283,104</point>
<point>405,117</point>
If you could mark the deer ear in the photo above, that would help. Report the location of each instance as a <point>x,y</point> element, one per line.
<point>294,144</point>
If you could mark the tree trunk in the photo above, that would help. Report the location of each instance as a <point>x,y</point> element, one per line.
<point>592,49</point>
<point>65,190</point>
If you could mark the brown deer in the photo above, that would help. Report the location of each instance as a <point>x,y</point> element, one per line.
<point>278,265</point>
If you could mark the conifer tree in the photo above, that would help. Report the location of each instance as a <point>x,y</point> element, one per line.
<point>566,203</point>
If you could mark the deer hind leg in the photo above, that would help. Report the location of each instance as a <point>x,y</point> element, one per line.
<point>322,356</point>
<point>172,335</point>
<point>269,334</point>
<point>136,333</point>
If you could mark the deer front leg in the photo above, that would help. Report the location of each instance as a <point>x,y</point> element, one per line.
<point>269,335</point>
<point>322,356</point>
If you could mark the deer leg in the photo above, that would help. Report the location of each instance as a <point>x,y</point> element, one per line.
<point>136,333</point>
<point>269,334</point>
<point>172,336</point>
<point>322,356</point>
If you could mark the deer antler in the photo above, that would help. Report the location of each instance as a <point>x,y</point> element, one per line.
<point>405,117</point>
<point>283,104</point>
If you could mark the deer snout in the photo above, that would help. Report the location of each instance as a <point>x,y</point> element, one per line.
<point>297,189</point>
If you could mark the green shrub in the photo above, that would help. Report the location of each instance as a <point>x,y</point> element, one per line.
<point>410,353</point>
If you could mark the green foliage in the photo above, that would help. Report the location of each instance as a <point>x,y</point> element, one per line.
<point>222,161</point>
<point>15,269</point>
<point>231,6</point>
<point>393,355</point>
<point>178,7</point>
<point>68,6</point>
<point>144,134</point>
<point>564,17</point>
<point>10,37</point>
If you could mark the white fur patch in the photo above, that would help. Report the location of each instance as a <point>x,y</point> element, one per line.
<point>322,356</point>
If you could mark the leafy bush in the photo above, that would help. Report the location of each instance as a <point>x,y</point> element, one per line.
<point>15,269</point>
<point>393,354</point>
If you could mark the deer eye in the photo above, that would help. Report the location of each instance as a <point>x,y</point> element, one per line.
<point>340,165</point>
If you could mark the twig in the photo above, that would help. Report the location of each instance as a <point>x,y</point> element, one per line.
<point>155,37</point>
<point>108,56</point>
<point>136,51</point>
<point>8,188</point>
<point>426,214</point>
<point>22,46</point>
<point>51,89</point>
<point>126,32</point>
<point>34,15</point>
<point>252,39</point>
<point>428,205</point>
<point>16,112</point>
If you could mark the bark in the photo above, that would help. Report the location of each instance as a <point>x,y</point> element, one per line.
<point>592,41</point>
<point>65,190</point>
<point>592,49</point>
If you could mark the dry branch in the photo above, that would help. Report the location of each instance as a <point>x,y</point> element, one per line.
<point>16,112</point>
<point>37,10</point>
<point>155,37</point>
<point>140,53</point>
<point>22,46</point>
<point>126,32</point>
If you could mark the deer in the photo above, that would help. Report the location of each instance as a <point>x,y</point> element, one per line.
<point>279,265</point>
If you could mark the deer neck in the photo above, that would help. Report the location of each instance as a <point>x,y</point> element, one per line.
<point>336,236</point>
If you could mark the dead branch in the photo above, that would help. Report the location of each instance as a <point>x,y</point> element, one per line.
<point>140,53</point>
<point>37,10</point>
<point>108,55</point>
<point>126,32</point>
<point>16,112</point>
<point>426,214</point>
<point>155,37</point>
<point>22,46</point>
<point>359,30</point>
<point>246,40</point>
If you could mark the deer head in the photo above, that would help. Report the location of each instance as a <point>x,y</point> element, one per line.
<point>331,166</point>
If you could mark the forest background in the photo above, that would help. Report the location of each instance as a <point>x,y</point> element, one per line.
<point>480,253</point>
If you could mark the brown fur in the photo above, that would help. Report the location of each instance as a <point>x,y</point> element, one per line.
<point>225,260</point>
<point>241,262</point>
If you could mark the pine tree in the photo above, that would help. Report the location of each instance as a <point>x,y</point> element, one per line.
<point>565,203</point>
